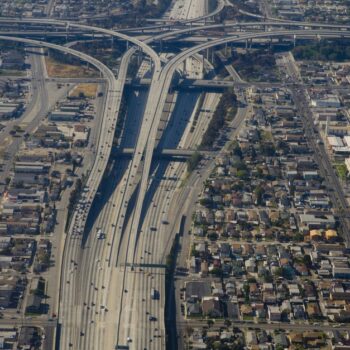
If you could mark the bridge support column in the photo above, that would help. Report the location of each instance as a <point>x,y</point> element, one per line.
<point>203,65</point>
<point>212,55</point>
<point>127,45</point>
<point>67,27</point>
<point>161,44</point>
<point>294,39</point>
<point>112,42</point>
<point>138,57</point>
<point>207,54</point>
<point>246,44</point>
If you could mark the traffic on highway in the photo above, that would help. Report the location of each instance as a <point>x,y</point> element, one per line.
<point>114,254</point>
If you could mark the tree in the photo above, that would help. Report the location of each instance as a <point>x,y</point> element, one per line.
<point>205,202</point>
<point>217,271</point>
<point>242,174</point>
<point>259,191</point>
<point>278,272</point>
<point>236,149</point>
<point>213,236</point>
<point>193,161</point>
<point>210,323</point>
<point>246,291</point>
<point>268,277</point>
<point>307,261</point>
<point>227,323</point>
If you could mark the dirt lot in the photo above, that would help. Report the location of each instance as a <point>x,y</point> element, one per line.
<point>61,70</point>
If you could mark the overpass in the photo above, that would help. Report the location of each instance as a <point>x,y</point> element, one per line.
<point>113,34</point>
<point>164,153</point>
<point>168,35</point>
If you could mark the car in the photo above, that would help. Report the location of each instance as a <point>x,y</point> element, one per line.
<point>152,318</point>
<point>128,340</point>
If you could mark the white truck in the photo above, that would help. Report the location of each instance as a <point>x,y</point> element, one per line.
<point>100,234</point>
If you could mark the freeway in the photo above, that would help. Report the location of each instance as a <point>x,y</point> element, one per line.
<point>116,214</point>
<point>127,251</point>
<point>134,252</point>
<point>113,303</point>
<point>194,18</point>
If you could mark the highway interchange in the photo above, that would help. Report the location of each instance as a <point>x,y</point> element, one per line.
<point>105,294</point>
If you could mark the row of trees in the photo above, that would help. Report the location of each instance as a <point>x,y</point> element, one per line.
<point>73,198</point>
<point>225,109</point>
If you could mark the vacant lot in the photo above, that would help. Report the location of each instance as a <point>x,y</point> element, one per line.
<point>62,70</point>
